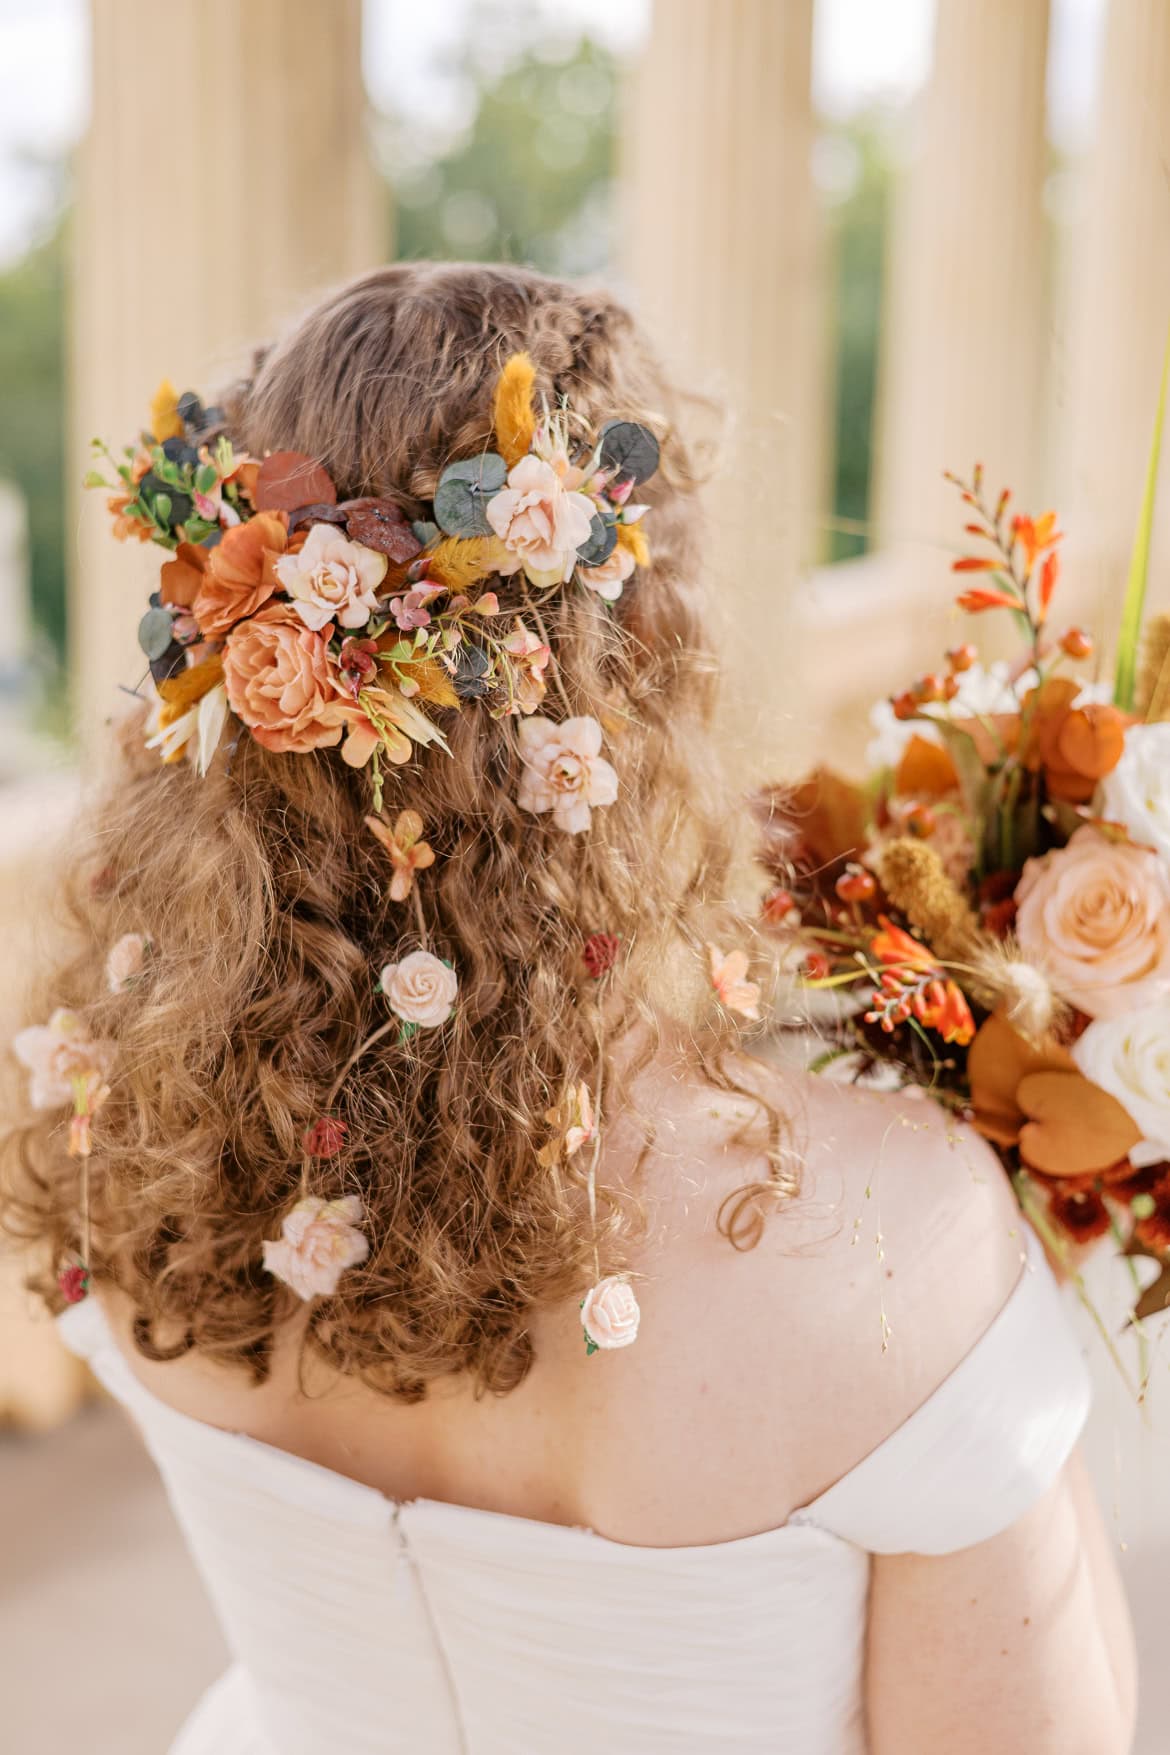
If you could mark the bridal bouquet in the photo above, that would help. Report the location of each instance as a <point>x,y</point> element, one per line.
<point>987,916</point>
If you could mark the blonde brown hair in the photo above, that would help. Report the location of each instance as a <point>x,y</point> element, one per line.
<point>265,901</point>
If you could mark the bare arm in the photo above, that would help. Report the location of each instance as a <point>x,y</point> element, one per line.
<point>1021,1644</point>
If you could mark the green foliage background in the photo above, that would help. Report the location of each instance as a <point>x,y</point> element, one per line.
<point>530,179</point>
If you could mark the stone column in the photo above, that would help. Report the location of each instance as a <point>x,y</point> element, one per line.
<point>224,180</point>
<point>965,332</point>
<point>1119,314</point>
<point>721,248</point>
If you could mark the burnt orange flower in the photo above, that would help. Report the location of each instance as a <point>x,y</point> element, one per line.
<point>1034,535</point>
<point>126,528</point>
<point>895,949</point>
<point>942,1006</point>
<point>1035,1098</point>
<point>240,574</point>
<point>181,578</point>
<point>1074,747</point>
<point>406,848</point>
<point>982,597</point>
<point>925,771</point>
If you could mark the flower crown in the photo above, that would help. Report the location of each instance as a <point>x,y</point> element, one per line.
<point>320,622</point>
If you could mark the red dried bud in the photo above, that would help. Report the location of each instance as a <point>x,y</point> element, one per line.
<point>921,821</point>
<point>778,905</point>
<point>856,885</point>
<point>1076,644</point>
<point>600,952</point>
<point>929,688</point>
<point>817,966</point>
<point>904,705</point>
<point>962,657</point>
<point>325,1138</point>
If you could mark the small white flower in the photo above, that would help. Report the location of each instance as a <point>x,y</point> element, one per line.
<point>610,1314</point>
<point>564,771</point>
<point>1137,793</point>
<point>125,962</point>
<point>420,990</point>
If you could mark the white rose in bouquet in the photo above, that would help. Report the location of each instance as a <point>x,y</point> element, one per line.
<point>1129,1056</point>
<point>1137,793</point>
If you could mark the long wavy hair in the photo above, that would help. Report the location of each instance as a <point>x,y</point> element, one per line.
<point>265,902</point>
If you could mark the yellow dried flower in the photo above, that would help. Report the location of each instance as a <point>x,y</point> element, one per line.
<point>916,882</point>
<point>165,419</point>
<point>514,416</point>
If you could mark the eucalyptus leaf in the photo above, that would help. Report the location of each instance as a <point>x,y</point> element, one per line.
<point>629,449</point>
<point>600,544</point>
<point>463,488</point>
<point>424,531</point>
<point>155,632</point>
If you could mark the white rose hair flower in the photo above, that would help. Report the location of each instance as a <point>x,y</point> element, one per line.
<point>58,1055</point>
<point>421,989</point>
<point>1129,1056</point>
<point>610,1315</point>
<point>564,771</point>
<point>126,961</point>
<point>319,1239</point>
<point>332,579</point>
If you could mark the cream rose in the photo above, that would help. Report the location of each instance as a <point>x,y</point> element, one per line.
<point>1137,793</point>
<point>564,771</point>
<point>319,1240</point>
<point>56,1054</point>
<point>540,522</point>
<point>420,990</point>
<point>608,578</point>
<point>332,579</point>
<point>1129,1057</point>
<point>1095,915</point>
<point>610,1314</point>
<point>125,962</point>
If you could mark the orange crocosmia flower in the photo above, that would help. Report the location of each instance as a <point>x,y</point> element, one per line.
<point>240,576</point>
<point>897,950</point>
<point>1074,747</point>
<point>1049,574</point>
<point>407,849</point>
<point>943,1007</point>
<point>1036,1098</point>
<point>982,597</point>
<point>727,979</point>
<point>976,564</point>
<point>1034,535</point>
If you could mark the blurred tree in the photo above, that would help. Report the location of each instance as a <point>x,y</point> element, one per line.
<point>32,425</point>
<point>530,178</point>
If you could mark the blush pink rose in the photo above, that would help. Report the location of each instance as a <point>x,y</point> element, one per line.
<point>276,671</point>
<point>610,1314</point>
<point>125,962</point>
<point>319,1239</point>
<point>540,522</point>
<point>608,578</point>
<point>332,579</point>
<point>1095,915</point>
<point>58,1053</point>
<point>564,771</point>
<point>420,990</point>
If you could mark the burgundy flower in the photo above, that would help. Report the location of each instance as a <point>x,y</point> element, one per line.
<point>326,1137</point>
<point>73,1283</point>
<point>600,953</point>
<point>1080,1212</point>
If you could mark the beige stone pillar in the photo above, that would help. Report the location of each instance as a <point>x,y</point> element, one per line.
<point>965,332</point>
<point>721,249</point>
<point>224,180</point>
<point>1119,313</point>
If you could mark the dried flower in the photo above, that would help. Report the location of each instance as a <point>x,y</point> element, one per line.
<point>1153,691</point>
<point>727,975</point>
<point>407,850</point>
<point>610,1315</point>
<point>1079,1211</point>
<point>165,420</point>
<point>1073,745</point>
<point>319,1240</point>
<point>914,879</point>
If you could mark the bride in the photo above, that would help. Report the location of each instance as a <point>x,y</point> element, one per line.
<point>531,1368</point>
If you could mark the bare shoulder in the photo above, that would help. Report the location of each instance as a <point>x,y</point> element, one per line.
<point>863,1293</point>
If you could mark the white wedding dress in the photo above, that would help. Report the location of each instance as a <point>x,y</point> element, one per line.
<point>364,1627</point>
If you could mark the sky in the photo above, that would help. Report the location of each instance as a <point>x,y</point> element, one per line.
<point>864,52</point>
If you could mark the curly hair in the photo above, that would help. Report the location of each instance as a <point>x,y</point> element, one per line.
<point>265,902</point>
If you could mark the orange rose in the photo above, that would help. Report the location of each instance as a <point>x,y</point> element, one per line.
<point>277,675</point>
<point>239,577</point>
